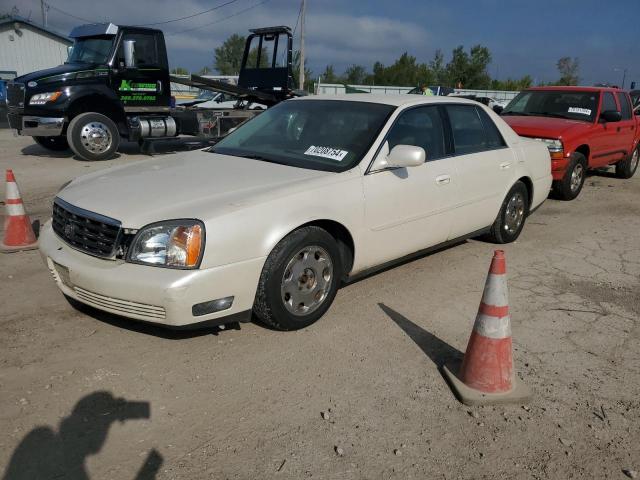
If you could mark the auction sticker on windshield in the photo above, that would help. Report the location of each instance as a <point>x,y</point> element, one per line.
<point>326,152</point>
<point>583,111</point>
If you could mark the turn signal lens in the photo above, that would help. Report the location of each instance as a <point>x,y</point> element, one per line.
<point>186,242</point>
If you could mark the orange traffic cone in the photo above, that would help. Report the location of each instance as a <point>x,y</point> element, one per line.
<point>18,232</point>
<point>486,376</point>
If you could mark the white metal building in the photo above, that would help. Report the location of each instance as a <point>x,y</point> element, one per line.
<point>26,47</point>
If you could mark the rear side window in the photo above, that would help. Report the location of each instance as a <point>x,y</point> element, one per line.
<point>421,127</point>
<point>608,102</point>
<point>468,131</point>
<point>625,106</point>
<point>494,138</point>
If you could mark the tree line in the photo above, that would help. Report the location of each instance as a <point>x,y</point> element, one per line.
<point>465,69</point>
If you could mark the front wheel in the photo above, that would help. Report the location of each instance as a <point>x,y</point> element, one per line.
<point>627,167</point>
<point>55,144</point>
<point>93,136</point>
<point>571,184</point>
<point>299,280</point>
<point>513,213</point>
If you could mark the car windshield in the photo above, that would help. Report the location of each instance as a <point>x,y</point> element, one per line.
<point>555,103</point>
<point>91,49</point>
<point>329,135</point>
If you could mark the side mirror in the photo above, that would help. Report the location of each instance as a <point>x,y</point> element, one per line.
<point>130,53</point>
<point>69,50</point>
<point>404,156</point>
<point>498,109</point>
<point>611,116</point>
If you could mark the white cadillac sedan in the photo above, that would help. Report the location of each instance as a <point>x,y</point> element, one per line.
<point>305,196</point>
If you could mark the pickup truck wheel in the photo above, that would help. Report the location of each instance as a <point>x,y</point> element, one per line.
<point>571,185</point>
<point>513,214</point>
<point>299,280</point>
<point>93,136</point>
<point>55,144</point>
<point>627,167</point>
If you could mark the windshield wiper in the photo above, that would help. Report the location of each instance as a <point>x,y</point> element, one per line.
<point>551,114</point>
<point>516,113</point>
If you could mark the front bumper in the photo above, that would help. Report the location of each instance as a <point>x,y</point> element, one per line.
<point>158,295</point>
<point>559,167</point>
<point>36,126</point>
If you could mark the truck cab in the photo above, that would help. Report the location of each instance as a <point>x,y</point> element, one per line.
<point>583,128</point>
<point>113,76</point>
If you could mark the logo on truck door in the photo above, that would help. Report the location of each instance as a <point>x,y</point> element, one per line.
<point>130,86</point>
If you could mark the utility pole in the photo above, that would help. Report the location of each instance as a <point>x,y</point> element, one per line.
<point>44,7</point>
<point>302,18</point>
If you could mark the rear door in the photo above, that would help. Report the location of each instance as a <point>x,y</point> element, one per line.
<point>485,169</point>
<point>627,126</point>
<point>605,142</point>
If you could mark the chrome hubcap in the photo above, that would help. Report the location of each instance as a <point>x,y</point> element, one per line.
<point>634,159</point>
<point>307,280</point>
<point>576,177</point>
<point>514,214</point>
<point>95,137</point>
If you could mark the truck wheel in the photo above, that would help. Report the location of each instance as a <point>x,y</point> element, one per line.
<point>570,186</point>
<point>513,214</point>
<point>627,167</point>
<point>93,136</point>
<point>55,144</point>
<point>299,280</point>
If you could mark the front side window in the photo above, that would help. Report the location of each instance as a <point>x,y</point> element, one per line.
<point>91,49</point>
<point>625,107</point>
<point>609,102</point>
<point>421,127</point>
<point>329,135</point>
<point>467,128</point>
<point>571,104</point>
<point>146,49</point>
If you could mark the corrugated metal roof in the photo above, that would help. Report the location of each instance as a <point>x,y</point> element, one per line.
<point>18,19</point>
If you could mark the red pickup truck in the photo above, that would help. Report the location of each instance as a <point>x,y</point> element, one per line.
<point>583,127</point>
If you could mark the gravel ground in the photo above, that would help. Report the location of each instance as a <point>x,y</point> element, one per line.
<point>357,395</point>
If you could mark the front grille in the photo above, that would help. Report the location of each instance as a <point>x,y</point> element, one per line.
<point>87,231</point>
<point>123,307</point>
<point>15,95</point>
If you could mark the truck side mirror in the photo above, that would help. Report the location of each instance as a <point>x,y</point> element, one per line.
<point>69,50</point>
<point>611,116</point>
<point>130,53</point>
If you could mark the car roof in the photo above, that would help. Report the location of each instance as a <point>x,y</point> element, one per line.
<point>393,100</point>
<point>577,89</point>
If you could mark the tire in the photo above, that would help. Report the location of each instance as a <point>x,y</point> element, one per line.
<point>571,185</point>
<point>627,167</point>
<point>55,144</point>
<point>512,216</point>
<point>93,136</point>
<point>287,294</point>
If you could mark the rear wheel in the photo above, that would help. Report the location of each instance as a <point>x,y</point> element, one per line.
<point>299,280</point>
<point>93,136</point>
<point>571,185</point>
<point>627,167</point>
<point>513,214</point>
<point>55,144</point>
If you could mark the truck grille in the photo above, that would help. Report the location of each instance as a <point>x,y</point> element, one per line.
<point>15,95</point>
<point>87,231</point>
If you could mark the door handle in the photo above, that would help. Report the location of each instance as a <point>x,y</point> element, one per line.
<point>443,179</point>
<point>505,165</point>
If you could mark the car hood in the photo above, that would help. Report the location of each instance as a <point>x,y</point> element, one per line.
<point>544,127</point>
<point>51,72</point>
<point>199,185</point>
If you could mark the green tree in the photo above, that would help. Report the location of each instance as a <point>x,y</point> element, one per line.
<point>438,70</point>
<point>228,57</point>
<point>469,69</point>
<point>512,84</point>
<point>308,74</point>
<point>180,71</point>
<point>329,75</point>
<point>405,71</point>
<point>355,74</point>
<point>568,69</point>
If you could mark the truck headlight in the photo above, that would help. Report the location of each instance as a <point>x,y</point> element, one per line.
<point>42,98</point>
<point>556,149</point>
<point>174,244</point>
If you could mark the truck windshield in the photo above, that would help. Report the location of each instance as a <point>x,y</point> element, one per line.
<point>555,103</point>
<point>329,135</point>
<point>91,49</point>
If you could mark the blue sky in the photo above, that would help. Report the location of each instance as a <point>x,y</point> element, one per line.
<point>524,37</point>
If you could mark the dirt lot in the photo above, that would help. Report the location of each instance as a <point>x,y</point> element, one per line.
<point>247,403</point>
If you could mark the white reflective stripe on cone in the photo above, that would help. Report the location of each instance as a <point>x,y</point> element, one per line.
<point>15,209</point>
<point>492,327</point>
<point>12,191</point>
<point>496,291</point>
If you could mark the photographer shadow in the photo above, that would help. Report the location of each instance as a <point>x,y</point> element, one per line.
<point>45,453</point>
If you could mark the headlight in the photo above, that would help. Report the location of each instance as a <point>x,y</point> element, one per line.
<point>174,244</point>
<point>553,145</point>
<point>42,98</point>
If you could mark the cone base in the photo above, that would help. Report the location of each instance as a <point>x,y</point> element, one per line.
<point>469,396</point>
<point>20,248</point>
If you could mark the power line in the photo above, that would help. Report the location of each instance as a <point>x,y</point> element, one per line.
<point>298,19</point>
<point>190,16</point>
<point>68,14</point>
<point>219,20</point>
